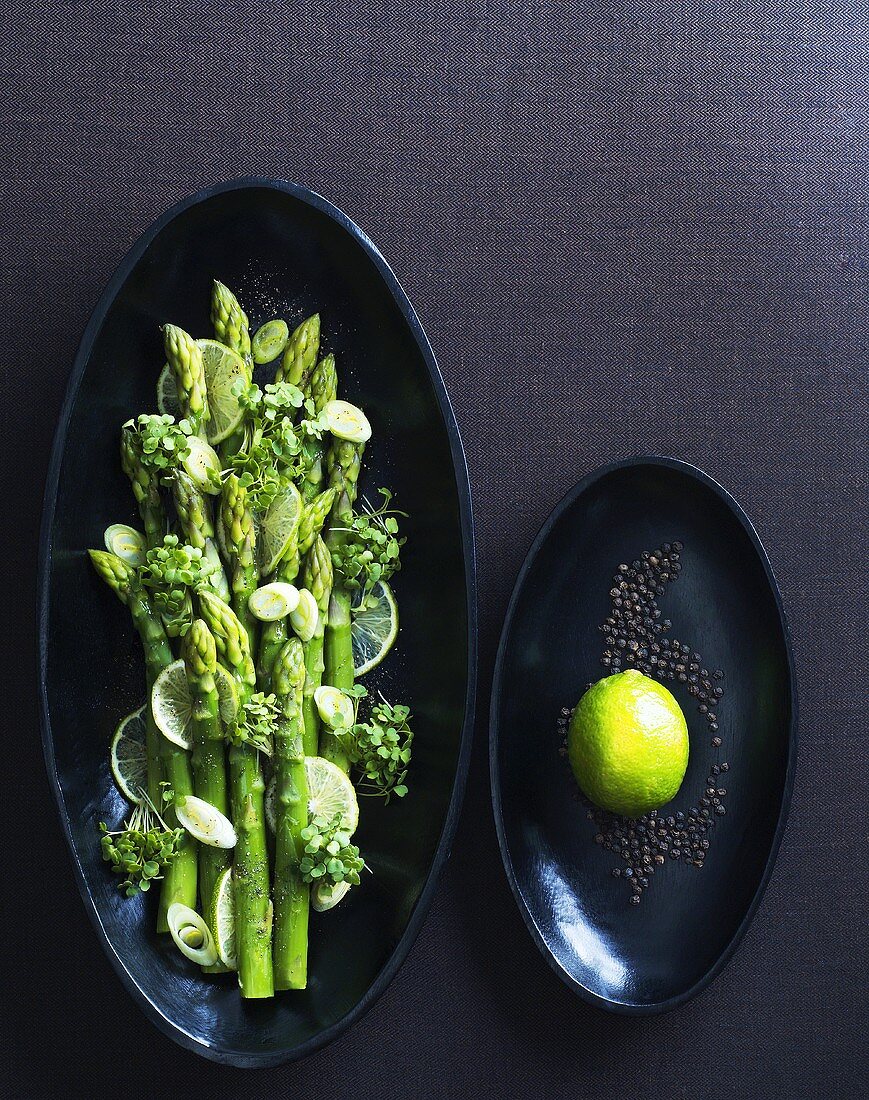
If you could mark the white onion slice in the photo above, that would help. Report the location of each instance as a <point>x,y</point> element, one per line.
<point>203,465</point>
<point>191,934</point>
<point>327,897</point>
<point>335,708</point>
<point>204,822</point>
<point>273,601</point>
<point>126,542</point>
<point>304,617</point>
<point>347,421</point>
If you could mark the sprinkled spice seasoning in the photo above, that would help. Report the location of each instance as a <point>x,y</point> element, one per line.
<point>637,636</point>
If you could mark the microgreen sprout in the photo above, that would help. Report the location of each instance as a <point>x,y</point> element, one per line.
<point>380,749</point>
<point>144,847</point>
<point>329,856</point>
<point>256,723</point>
<point>170,573</point>
<point>160,441</point>
<point>273,451</point>
<point>370,547</point>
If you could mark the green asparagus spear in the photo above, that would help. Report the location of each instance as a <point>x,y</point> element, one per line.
<point>237,522</point>
<point>317,578</point>
<point>231,326</point>
<point>120,577</point>
<point>275,634</point>
<point>291,892</point>
<point>314,516</point>
<point>250,870</point>
<point>324,383</point>
<point>209,765</point>
<point>145,482</point>
<point>179,883</point>
<point>300,355</point>
<point>343,462</point>
<point>185,359</point>
<point>323,389</point>
<point>194,518</point>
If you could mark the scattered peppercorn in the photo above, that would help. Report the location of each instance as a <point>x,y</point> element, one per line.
<point>636,636</point>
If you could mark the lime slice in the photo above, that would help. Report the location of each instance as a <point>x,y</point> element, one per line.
<point>330,792</point>
<point>204,822</point>
<point>126,542</point>
<point>374,627</point>
<point>223,368</point>
<point>336,709</point>
<point>347,421</point>
<point>172,704</point>
<point>222,920</point>
<point>277,526</point>
<point>128,759</point>
<point>167,393</point>
<point>273,601</point>
<point>326,895</point>
<point>269,341</point>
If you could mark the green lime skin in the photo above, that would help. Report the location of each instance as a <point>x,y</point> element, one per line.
<point>628,744</point>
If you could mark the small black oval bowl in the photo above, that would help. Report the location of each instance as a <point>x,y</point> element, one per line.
<point>288,252</point>
<point>726,604</point>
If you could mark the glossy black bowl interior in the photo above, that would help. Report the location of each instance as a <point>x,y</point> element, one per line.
<point>285,252</point>
<point>726,605</point>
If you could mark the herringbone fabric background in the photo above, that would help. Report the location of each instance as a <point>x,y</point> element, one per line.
<point>626,228</point>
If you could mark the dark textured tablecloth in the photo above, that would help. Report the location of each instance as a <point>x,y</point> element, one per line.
<point>626,228</point>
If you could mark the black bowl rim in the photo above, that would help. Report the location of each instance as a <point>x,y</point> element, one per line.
<point>726,955</point>
<point>442,852</point>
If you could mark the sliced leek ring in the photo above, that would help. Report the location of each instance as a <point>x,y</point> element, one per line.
<point>347,421</point>
<point>203,465</point>
<point>204,822</point>
<point>273,601</point>
<point>305,616</point>
<point>125,541</point>
<point>335,708</point>
<point>191,934</point>
<point>327,895</point>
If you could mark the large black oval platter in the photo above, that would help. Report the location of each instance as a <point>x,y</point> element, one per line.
<point>725,604</point>
<point>288,252</point>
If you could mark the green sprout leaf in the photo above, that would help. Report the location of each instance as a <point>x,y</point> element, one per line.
<point>276,448</point>
<point>256,723</point>
<point>161,442</point>
<point>329,856</point>
<point>142,849</point>
<point>380,750</point>
<point>171,573</point>
<point>370,548</point>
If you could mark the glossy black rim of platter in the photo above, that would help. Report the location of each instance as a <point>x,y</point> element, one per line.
<point>95,322</point>
<point>587,994</point>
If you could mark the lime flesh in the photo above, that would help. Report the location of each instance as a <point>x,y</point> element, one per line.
<point>374,628</point>
<point>223,369</point>
<point>129,761</point>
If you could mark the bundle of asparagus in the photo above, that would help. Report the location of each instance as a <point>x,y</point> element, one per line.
<point>261,595</point>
